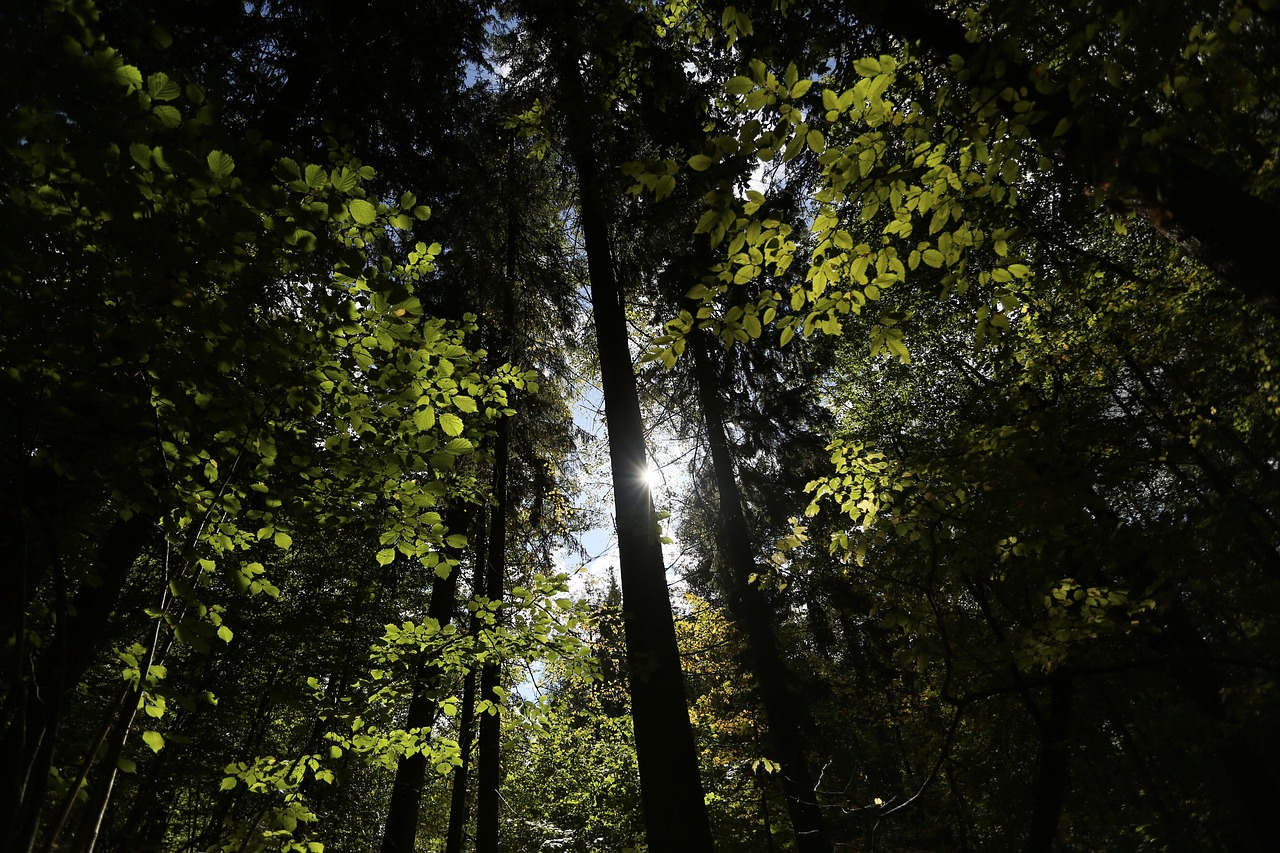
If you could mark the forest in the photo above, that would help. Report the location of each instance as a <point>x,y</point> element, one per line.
<point>335,337</point>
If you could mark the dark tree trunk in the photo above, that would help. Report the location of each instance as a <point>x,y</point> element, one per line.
<point>26,752</point>
<point>1052,766</point>
<point>456,834</point>
<point>488,767</point>
<point>1245,761</point>
<point>751,613</point>
<point>671,795</point>
<point>411,771</point>
<point>458,810</point>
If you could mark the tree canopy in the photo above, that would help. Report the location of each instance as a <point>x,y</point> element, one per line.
<point>961,319</point>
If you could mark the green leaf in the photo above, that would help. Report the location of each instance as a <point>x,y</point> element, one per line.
<point>224,633</point>
<point>386,556</point>
<point>228,783</point>
<point>362,211</point>
<point>283,540</point>
<point>155,740</point>
<point>127,765</point>
<point>168,116</point>
<point>464,403</point>
<point>866,67</point>
<point>708,219</point>
<point>700,162</point>
<point>739,85</point>
<point>451,424</point>
<point>130,76</point>
<point>220,164</point>
<point>161,37</point>
<point>459,446</point>
<point>424,419</point>
<point>161,88</point>
<point>456,540</point>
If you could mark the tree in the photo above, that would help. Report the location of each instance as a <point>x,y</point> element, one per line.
<point>317,383</point>
<point>675,812</point>
<point>1003,262</point>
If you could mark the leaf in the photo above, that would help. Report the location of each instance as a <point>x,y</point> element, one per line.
<point>451,424</point>
<point>459,446</point>
<point>708,219</point>
<point>161,37</point>
<point>386,556</point>
<point>283,540</point>
<point>362,211</point>
<point>168,116</point>
<point>739,85</point>
<point>424,419</point>
<point>464,403</point>
<point>700,162</point>
<point>664,187</point>
<point>130,76</point>
<point>866,67</point>
<point>456,540</point>
<point>228,783</point>
<point>161,88</point>
<point>220,164</point>
<point>224,633</point>
<point>155,740</point>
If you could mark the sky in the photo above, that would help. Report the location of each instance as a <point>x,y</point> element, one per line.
<point>669,481</point>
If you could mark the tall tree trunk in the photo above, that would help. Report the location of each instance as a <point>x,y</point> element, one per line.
<point>411,771</point>
<point>675,814</point>
<point>1052,766</point>
<point>488,745</point>
<point>26,752</point>
<point>456,834</point>
<point>1245,759</point>
<point>458,807</point>
<point>751,612</point>
<point>488,766</point>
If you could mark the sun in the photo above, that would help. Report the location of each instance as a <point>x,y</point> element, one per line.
<point>653,478</point>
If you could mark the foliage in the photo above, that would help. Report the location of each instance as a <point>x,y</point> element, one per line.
<point>1007,263</point>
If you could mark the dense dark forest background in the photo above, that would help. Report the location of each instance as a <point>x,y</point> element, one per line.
<point>962,315</point>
